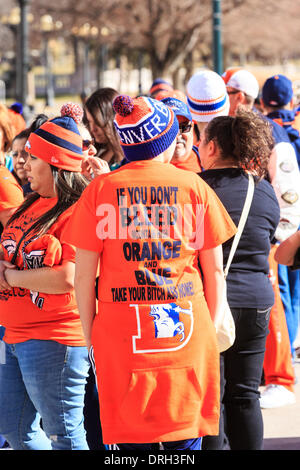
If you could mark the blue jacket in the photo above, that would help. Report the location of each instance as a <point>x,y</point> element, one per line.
<point>285,118</point>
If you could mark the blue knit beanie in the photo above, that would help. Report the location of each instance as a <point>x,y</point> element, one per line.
<point>146,127</point>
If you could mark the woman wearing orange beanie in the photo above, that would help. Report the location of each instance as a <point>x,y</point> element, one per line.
<point>44,372</point>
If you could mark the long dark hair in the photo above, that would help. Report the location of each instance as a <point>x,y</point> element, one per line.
<point>246,138</point>
<point>69,187</point>
<point>99,105</point>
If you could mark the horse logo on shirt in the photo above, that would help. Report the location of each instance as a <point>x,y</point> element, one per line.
<point>166,321</point>
<point>162,327</point>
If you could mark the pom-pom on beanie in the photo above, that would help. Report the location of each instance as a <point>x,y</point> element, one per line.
<point>207,96</point>
<point>58,141</point>
<point>146,127</point>
<point>17,107</point>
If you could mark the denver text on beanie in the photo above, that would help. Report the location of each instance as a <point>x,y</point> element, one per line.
<point>58,141</point>
<point>277,91</point>
<point>146,127</point>
<point>207,96</point>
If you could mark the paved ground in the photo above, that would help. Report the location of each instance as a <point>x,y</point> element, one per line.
<point>282,425</point>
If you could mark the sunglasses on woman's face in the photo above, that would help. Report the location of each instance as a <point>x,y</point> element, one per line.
<point>185,127</point>
<point>86,144</point>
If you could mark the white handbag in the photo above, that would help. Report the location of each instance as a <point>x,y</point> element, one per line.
<point>224,323</point>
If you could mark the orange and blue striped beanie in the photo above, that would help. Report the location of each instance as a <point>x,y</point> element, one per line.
<point>207,96</point>
<point>146,127</point>
<point>58,141</point>
<point>158,85</point>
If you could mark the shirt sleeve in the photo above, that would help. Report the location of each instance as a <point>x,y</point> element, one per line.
<point>81,229</point>
<point>58,229</point>
<point>11,194</point>
<point>285,179</point>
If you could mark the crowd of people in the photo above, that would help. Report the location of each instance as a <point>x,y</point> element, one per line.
<point>117,223</point>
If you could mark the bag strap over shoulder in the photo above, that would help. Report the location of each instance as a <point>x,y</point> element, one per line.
<point>242,222</point>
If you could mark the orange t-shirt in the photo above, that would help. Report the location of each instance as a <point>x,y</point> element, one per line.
<point>192,163</point>
<point>154,342</point>
<point>33,315</point>
<point>11,193</point>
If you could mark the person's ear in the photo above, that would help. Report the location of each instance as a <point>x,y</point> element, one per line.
<point>212,148</point>
<point>241,97</point>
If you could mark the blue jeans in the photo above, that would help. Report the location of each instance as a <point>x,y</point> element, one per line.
<point>2,331</point>
<point>2,440</point>
<point>43,380</point>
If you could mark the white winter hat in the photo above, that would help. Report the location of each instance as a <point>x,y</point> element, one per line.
<point>241,80</point>
<point>207,96</point>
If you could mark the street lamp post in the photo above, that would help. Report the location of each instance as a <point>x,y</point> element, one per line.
<point>217,37</point>
<point>86,33</point>
<point>24,56</point>
<point>12,21</point>
<point>48,26</point>
<point>104,32</point>
<point>140,66</point>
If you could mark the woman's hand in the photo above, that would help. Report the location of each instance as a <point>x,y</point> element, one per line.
<point>94,166</point>
<point>5,267</point>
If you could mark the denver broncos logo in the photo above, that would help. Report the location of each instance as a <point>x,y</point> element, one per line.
<point>166,321</point>
<point>162,327</point>
<point>9,243</point>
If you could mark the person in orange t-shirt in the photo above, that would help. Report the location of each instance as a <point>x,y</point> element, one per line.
<point>153,337</point>
<point>11,195</point>
<point>46,359</point>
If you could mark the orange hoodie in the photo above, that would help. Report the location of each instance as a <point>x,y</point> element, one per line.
<point>154,342</point>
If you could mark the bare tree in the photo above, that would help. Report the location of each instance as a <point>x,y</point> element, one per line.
<point>171,33</point>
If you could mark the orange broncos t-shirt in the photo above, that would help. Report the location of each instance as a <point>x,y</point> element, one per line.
<point>33,315</point>
<point>154,342</point>
<point>11,193</point>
